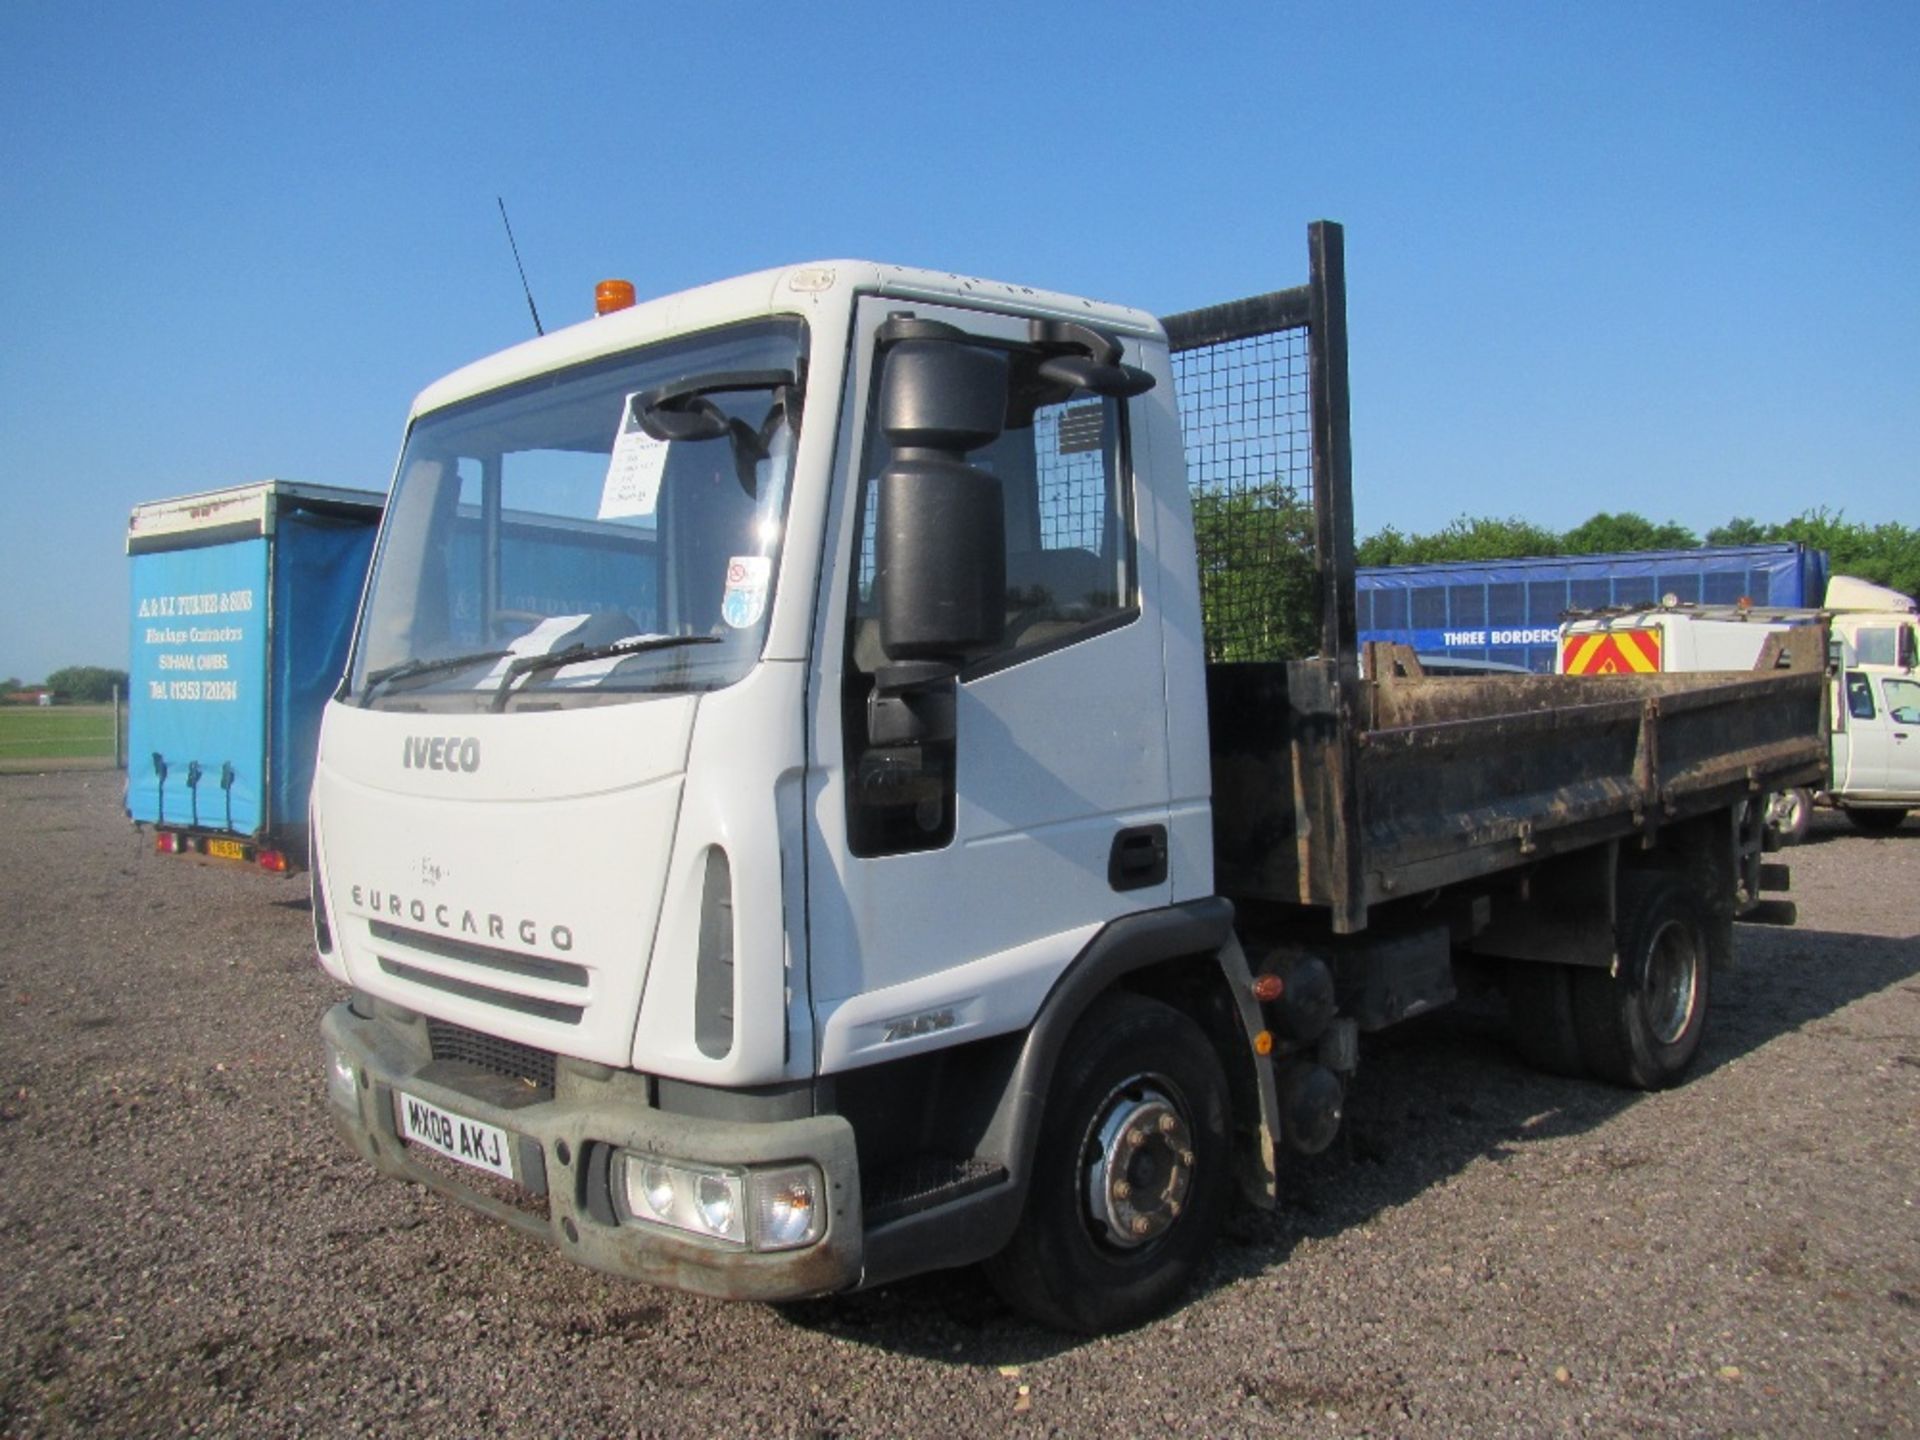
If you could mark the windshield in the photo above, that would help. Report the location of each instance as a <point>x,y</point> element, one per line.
<point>606,532</point>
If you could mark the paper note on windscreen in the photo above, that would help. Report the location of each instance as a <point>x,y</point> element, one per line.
<point>633,470</point>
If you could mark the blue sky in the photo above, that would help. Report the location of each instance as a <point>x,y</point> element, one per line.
<point>1663,258</point>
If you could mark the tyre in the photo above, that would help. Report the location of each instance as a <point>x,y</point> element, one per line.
<point>1790,815</point>
<point>1540,1017</point>
<point>1640,1023</point>
<point>1875,822</point>
<point>1130,1175</point>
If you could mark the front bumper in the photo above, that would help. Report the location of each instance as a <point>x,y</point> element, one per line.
<point>563,1145</point>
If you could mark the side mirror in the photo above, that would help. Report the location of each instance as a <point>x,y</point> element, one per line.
<point>1905,647</point>
<point>940,576</point>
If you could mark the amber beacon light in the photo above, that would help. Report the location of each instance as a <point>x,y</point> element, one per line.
<point>612,295</point>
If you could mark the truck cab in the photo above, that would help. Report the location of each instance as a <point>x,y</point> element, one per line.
<point>636,787</point>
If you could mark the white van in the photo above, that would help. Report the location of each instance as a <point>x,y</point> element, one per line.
<point>1876,748</point>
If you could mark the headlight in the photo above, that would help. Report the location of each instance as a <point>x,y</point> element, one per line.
<point>694,1198</point>
<point>656,1190</point>
<point>771,1209</point>
<point>716,1200</point>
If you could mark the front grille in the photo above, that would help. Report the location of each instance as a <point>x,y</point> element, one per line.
<point>920,1182</point>
<point>467,990</point>
<point>490,1053</point>
<point>508,962</point>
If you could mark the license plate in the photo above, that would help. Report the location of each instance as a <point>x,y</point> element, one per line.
<point>226,850</point>
<point>485,1147</point>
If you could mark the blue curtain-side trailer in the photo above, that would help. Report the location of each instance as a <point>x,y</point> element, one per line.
<point>242,607</point>
<point>1507,613</point>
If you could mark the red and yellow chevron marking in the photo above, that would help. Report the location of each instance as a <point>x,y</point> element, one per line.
<point>1611,652</point>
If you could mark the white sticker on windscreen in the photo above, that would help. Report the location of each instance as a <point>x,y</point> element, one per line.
<point>746,597</point>
<point>634,469</point>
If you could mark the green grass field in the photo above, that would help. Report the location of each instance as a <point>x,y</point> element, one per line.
<point>61,734</point>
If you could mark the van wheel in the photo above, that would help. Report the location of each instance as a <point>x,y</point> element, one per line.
<point>1876,822</point>
<point>1790,815</point>
<point>1640,1023</point>
<point>1129,1175</point>
<point>1540,1017</point>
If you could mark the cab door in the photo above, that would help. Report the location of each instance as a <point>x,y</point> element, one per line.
<point>1860,766</point>
<point>950,882</point>
<point>1900,703</point>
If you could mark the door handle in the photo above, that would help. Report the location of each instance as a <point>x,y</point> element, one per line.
<point>1139,858</point>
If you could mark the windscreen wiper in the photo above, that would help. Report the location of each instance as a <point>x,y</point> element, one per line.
<point>407,669</point>
<point>581,654</point>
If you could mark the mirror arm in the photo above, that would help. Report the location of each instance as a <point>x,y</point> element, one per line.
<point>1070,337</point>
<point>682,400</point>
<point>1083,358</point>
<point>1116,382</point>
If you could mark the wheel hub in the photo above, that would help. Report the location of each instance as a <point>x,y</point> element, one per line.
<point>1671,989</point>
<point>1140,1165</point>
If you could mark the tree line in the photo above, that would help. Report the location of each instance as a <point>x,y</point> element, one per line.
<point>1887,554</point>
<point>81,684</point>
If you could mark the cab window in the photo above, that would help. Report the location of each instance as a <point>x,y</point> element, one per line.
<point>1878,645</point>
<point>1859,696</point>
<point>1903,700</point>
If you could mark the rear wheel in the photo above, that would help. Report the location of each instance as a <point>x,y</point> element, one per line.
<point>1876,822</point>
<point>1790,815</point>
<point>1641,1022</point>
<point>1129,1175</point>
<point>1540,1016</point>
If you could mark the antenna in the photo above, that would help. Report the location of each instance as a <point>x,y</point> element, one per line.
<point>538,328</point>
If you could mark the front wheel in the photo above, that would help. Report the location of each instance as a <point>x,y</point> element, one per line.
<point>1640,1023</point>
<point>1875,822</point>
<point>1790,815</point>
<point>1129,1175</point>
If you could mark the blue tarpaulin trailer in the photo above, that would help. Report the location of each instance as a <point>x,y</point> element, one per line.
<point>1508,612</point>
<point>243,603</point>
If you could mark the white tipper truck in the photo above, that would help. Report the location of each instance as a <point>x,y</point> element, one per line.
<point>1872,635</point>
<point>847,862</point>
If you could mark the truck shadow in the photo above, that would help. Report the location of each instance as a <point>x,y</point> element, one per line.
<point>1433,1097</point>
<point>1826,826</point>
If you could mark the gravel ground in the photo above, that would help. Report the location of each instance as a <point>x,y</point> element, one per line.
<point>185,1248</point>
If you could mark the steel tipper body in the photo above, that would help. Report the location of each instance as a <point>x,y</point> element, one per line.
<point>782,831</point>
<point>243,603</point>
